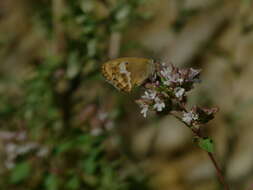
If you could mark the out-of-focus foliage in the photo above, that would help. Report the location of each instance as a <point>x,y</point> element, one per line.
<point>55,127</point>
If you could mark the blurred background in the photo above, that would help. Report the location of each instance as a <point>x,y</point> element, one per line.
<point>63,127</point>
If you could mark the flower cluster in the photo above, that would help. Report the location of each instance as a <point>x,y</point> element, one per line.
<point>166,91</point>
<point>17,144</point>
<point>98,120</point>
<point>101,124</point>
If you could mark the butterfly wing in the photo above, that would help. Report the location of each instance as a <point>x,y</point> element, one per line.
<point>140,69</point>
<point>111,72</point>
<point>125,73</point>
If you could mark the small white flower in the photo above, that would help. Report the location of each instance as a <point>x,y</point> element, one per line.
<point>21,136</point>
<point>102,116</point>
<point>168,83</point>
<point>11,148</point>
<point>150,94</point>
<point>176,78</point>
<point>195,117</point>
<point>166,72</point>
<point>109,125</point>
<point>159,104</point>
<point>144,109</point>
<point>170,76</point>
<point>179,92</point>
<point>6,135</point>
<point>189,117</point>
<point>96,132</point>
<point>164,64</point>
<point>193,73</point>
<point>43,152</point>
<point>23,149</point>
<point>180,80</point>
<point>9,164</point>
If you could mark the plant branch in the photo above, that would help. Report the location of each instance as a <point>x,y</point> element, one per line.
<point>169,86</point>
<point>218,171</point>
<point>211,156</point>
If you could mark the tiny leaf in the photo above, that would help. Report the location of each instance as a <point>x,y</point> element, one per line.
<point>52,182</point>
<point>73,183</point>
<point>20,172</point>
<point>206,144</point>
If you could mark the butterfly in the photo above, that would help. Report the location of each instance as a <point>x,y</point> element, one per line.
<point>128,72</point>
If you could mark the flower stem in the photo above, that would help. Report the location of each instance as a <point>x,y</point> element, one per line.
<point>216,166</point>
<point>211,156</point>
<point>218,171</point>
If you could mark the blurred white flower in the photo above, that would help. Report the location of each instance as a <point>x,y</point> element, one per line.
<point>149,94</point>
<point>166,72</point>
<point>180,80</point>
<point>6,135</point>
<point>14,150</point>
<point>22,149</point>
<point>159,104</point>
<point>179,92</point>
<point>193,73</point>
<point>96,131</point>
<point>176,78</point>
<point>144,109</point>
<point>188,117</point>
<point>166,82</point>
<point>10,148</point>
<point>102,115</point>
<point>109,125</point>
<point>21,136</point>
<point>9,164</point>
<point>43,152</point>
<point>171,76</point>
